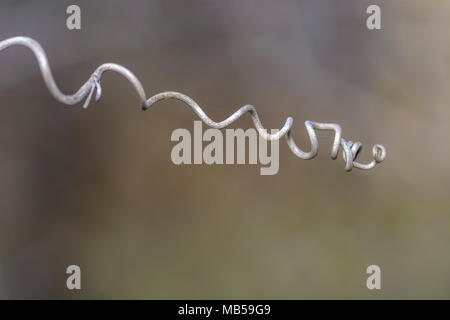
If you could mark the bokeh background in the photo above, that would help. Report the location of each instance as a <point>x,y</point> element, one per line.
<point>97,187</point>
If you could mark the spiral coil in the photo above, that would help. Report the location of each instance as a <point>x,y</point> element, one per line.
<point>350,149</point>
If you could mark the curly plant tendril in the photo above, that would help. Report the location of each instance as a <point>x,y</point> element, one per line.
<point>350,149</point>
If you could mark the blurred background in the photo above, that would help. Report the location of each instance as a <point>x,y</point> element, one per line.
<point>97,188</point>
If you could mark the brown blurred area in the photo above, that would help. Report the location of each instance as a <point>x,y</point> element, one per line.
<point>97,187</point>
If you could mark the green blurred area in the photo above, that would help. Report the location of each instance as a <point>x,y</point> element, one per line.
<point>97,187</point>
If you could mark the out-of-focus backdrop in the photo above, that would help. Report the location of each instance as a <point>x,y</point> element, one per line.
<point>97,187</point>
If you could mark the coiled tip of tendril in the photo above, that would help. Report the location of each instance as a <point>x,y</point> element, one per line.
<point>352,149</point>
<point>379,152</point>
